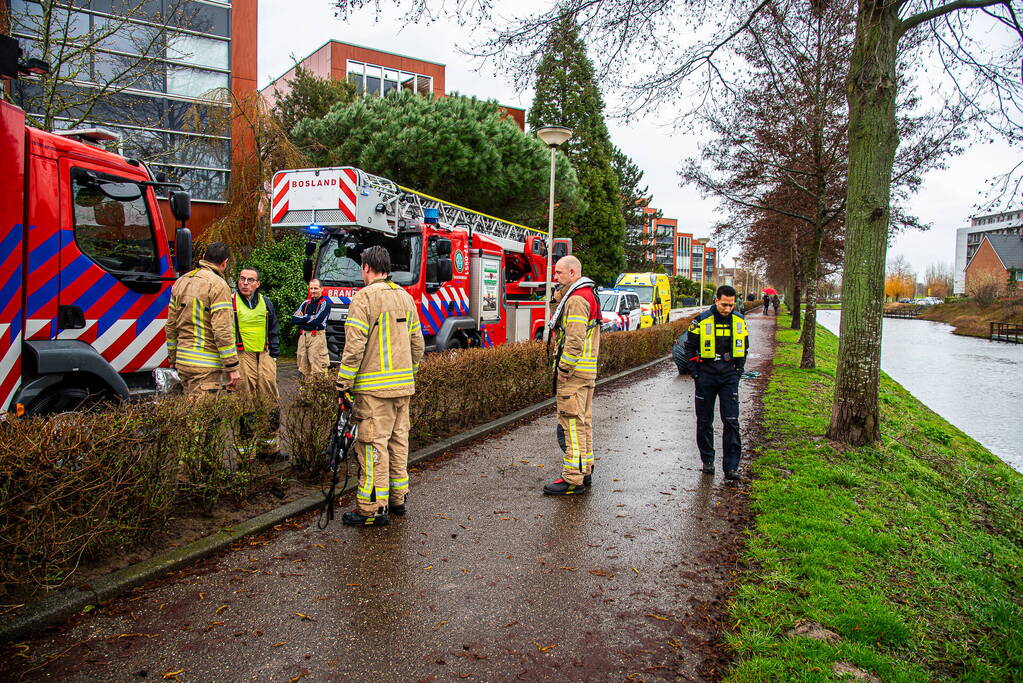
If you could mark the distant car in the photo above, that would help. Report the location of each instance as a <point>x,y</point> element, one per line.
<point>621,310</point>
<point>932,301</point>
<point>905,301</point>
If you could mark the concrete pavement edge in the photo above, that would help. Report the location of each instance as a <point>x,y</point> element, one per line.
<point>62,605</point>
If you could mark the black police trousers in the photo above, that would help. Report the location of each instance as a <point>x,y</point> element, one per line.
<point>725,388</point>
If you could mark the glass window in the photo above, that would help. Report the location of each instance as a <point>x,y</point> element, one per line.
<point>196,16</point>
<point>192,150</point>
<point>199,117</point>
<point>183,80</point>
<point>121,35</point>
<point>373,78</point>
<point>339,259</point>
<point>117,235</point>
<point>128,72</point>
<point>147,10</point>
<point>390,81</point>
<point>424,85</point>
<point>200,183</point>
<point>197,50</point>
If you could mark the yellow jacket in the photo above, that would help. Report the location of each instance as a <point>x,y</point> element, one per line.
<point>383,342</point>
<point>200,321</point>
<point>581,339</point>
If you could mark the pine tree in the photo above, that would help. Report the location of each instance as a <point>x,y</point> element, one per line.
<point>567,95</point>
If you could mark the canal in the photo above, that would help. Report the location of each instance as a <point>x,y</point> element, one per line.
<point>975,384</point>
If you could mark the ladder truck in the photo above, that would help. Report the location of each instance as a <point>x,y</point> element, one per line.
<point>477,280</point>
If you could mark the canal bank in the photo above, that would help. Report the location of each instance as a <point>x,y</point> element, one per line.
<point>895,562</point>
<point>975,384</point>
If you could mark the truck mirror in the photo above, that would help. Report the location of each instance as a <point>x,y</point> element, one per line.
<point>180,205</point>
<point>443,247</point>
<point>182,250</point>
<point>122,192</point>
<point>307,264</point>
<point>444,269</point>
<point>560,250</point>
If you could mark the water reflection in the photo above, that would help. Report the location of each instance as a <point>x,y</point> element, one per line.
<point>975,384</point>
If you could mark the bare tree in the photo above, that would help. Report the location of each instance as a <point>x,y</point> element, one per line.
<point>640,50</point>
<point>938,279</point>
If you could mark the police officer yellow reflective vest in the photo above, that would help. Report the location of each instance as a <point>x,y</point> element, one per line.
<point>707,331</point>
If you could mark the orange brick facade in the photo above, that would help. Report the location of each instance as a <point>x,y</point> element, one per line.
<point>331,61</point>
<point>985,263</point>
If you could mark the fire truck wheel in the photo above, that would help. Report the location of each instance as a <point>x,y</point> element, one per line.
<point>64,398</point>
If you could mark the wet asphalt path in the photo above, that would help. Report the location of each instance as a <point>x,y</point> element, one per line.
<point>484,579</point>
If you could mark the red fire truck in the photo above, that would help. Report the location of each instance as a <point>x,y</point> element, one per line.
<point>478,280</point>
<point>85,269</point>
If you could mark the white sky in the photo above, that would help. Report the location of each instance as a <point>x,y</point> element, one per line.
<point>946,200</point>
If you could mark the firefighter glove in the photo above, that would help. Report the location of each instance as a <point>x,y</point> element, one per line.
<point>345,399</point>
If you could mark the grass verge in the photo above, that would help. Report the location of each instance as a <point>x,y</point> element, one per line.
<point>908,554</point>
<point>972,319</point>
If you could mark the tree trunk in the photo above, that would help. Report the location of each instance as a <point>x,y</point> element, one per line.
<point>873,139</point>
<point>795,304</point>
<point>809,335</point>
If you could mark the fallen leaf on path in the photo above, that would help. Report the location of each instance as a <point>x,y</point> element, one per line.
<point>301,675</point>
<point>657,616</point>
<point>439,625</point>
<point>599,572</point>
<point>202,596</point>
<point>544,648</point>
<point>568,569</point>
<point>427,567</point>
<point>304,617</point>
<point>172,674</point>
<point>352,585</point>
<point>139,635</point>
<point>510,623</point>
<point>220,609</point>
<point>635,570</point>
<point>280,643</point>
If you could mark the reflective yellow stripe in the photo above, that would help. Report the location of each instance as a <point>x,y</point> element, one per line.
<point>172,344</point>
<point>362,385</point>
<point>226,351</point>
<point>399,483</point>
<point>577,319</point>
<point>192,353</point>
<point>220,305</point>
<point>574,441</point>
<point>355,322</point>
<point>197,323</point>
<point>346,371</point>
<point>385,340</point>
<point>365,491</point>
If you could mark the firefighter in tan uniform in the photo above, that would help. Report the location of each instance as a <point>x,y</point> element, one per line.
<point>576,326</point>
<point>259,345</point>
<point>200,327</point>
<point>383,347</point>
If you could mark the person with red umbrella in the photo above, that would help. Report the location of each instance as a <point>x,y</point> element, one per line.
<point>767,299</point>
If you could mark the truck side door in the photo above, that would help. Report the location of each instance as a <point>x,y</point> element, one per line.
<point>115,273</point>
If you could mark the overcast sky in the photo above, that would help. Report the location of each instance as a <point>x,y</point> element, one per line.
<point>946,200</point>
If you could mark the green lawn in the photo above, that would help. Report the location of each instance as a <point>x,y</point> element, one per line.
<point>910,551</point>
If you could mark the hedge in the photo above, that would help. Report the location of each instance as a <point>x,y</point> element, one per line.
<point>77,486</point>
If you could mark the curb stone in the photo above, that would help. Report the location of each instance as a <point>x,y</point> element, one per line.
<point>58,607</point>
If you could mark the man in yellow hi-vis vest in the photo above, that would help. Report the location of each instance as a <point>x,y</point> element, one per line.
<point>383,347</point>
<point>259,345</point>
<point>716,347</point>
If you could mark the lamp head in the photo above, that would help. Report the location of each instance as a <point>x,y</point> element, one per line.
<point>554,136</point>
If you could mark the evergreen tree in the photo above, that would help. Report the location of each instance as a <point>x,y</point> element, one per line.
<point>457,148</point>
<point>567,95</point>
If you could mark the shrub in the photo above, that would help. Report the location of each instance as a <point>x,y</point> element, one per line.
<point>280,269</point>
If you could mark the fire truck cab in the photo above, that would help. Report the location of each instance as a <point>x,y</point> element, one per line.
<point>85,268</point>
<point>477,280</point>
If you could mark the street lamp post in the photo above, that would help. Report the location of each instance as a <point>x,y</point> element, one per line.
<point>553,137</point>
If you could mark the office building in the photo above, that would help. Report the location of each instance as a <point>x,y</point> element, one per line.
<point>374,72</point>
<point>969,239</point>
<point>163,70</point>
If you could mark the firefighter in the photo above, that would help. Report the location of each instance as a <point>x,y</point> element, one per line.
<point>576,324</point>
<point>383,347</point>
<point>716,347</point>
<point>311,318</point>
<point>200,329</point>
<point>259,345</point>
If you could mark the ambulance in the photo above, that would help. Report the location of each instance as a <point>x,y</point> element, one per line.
<point>654,291</point>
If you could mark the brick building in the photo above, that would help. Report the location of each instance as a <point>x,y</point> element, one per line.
<point>375,72</point>
<point>968,240</point>
<point>997,256</point>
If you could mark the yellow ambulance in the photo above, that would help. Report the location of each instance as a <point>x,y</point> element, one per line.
<point>654,290</point>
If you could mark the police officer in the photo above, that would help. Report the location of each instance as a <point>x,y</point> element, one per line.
<point>383,347</point>
<point>259,345</point>
<point>311,318</point>
<point>716,347</point>
<point>200,328</point>
<point>576,324</point>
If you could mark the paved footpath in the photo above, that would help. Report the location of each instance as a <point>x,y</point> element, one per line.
<point>484,579</point>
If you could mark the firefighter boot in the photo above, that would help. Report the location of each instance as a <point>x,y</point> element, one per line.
<point>353,518</point>
<point>560,487</point>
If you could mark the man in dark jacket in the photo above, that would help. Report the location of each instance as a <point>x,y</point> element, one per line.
<point>715,350</point>
<point>311,319</point>
<point>259,344</point>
